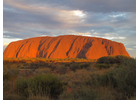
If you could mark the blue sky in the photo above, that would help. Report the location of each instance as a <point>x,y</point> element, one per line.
<point>110,19</point>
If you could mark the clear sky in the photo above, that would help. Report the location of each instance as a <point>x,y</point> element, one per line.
<point>110,19</point>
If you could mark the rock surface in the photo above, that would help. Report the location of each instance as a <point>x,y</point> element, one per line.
<point>66,46</point>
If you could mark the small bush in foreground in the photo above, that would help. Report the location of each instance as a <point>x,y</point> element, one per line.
<point>21,87</point>
<point>45,84</point>
<point>82,93</point>
<point>122,79</point>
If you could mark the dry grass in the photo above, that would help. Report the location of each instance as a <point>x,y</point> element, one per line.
<point>75,81</point>
<point>46,60</point>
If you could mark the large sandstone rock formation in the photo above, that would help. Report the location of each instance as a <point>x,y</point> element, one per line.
<point>67,46</point>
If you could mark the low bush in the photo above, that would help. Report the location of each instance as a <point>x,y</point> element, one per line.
<point>129,62</point>
<point>34,66</point>
<point>45,84</point>
<point>112,59</point>
<point>74,66</point>
<point>85,65</point>
<point>62,69</point>
<point>107,60</point>
<point>21,87</point>
<point>100,66</point>
<point>122,79</point>
<point>82,93</point>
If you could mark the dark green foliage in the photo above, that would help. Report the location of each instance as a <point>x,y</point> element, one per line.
<point>19,66</point>
<point>42,65</point>
<point>100,66</point>
<point>21,87</point>
<point>126,77</point>
<point>117,80</point>
<point>107,80</point>
<point>74,66</point>
<point>107,60</point>
<point>86,94</point>
<point>25,64</point>
<point>22,67</point>
<point>129,62</point>
<point>112,59</point>
<point>83,93</point>
<point>122,58</point>
<point>45,84</point>
<point>34,65</point>
<point>84,65</point>
<point>122,79</point>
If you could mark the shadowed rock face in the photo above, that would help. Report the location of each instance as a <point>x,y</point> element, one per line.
<point>67,46</point>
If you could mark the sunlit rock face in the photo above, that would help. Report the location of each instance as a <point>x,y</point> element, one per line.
<point>67,46</point>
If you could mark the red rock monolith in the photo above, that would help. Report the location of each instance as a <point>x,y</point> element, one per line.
<point>66,46</point>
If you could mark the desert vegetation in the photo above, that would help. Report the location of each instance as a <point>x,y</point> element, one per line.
<point>107,78</point>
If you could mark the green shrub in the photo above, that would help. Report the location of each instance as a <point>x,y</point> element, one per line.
<point>18,66</point>
<point>126,80</point>
<point>22,67</point>
<point>83,93</point>
<point>129,62</point>
<point>122,58</point>
<point>34,66</point>
<point>107,60</point>
<point>45,84</point>
<point>74,66</point>
<point>100,66</point>
<point>123,78</point>
<point>25,64</point>
<point>107,80</point>
<point>112,59</point>
<point>85,65</point>
<point>21,87</point>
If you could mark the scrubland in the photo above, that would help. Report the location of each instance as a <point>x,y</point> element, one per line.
<point>107,78</point>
